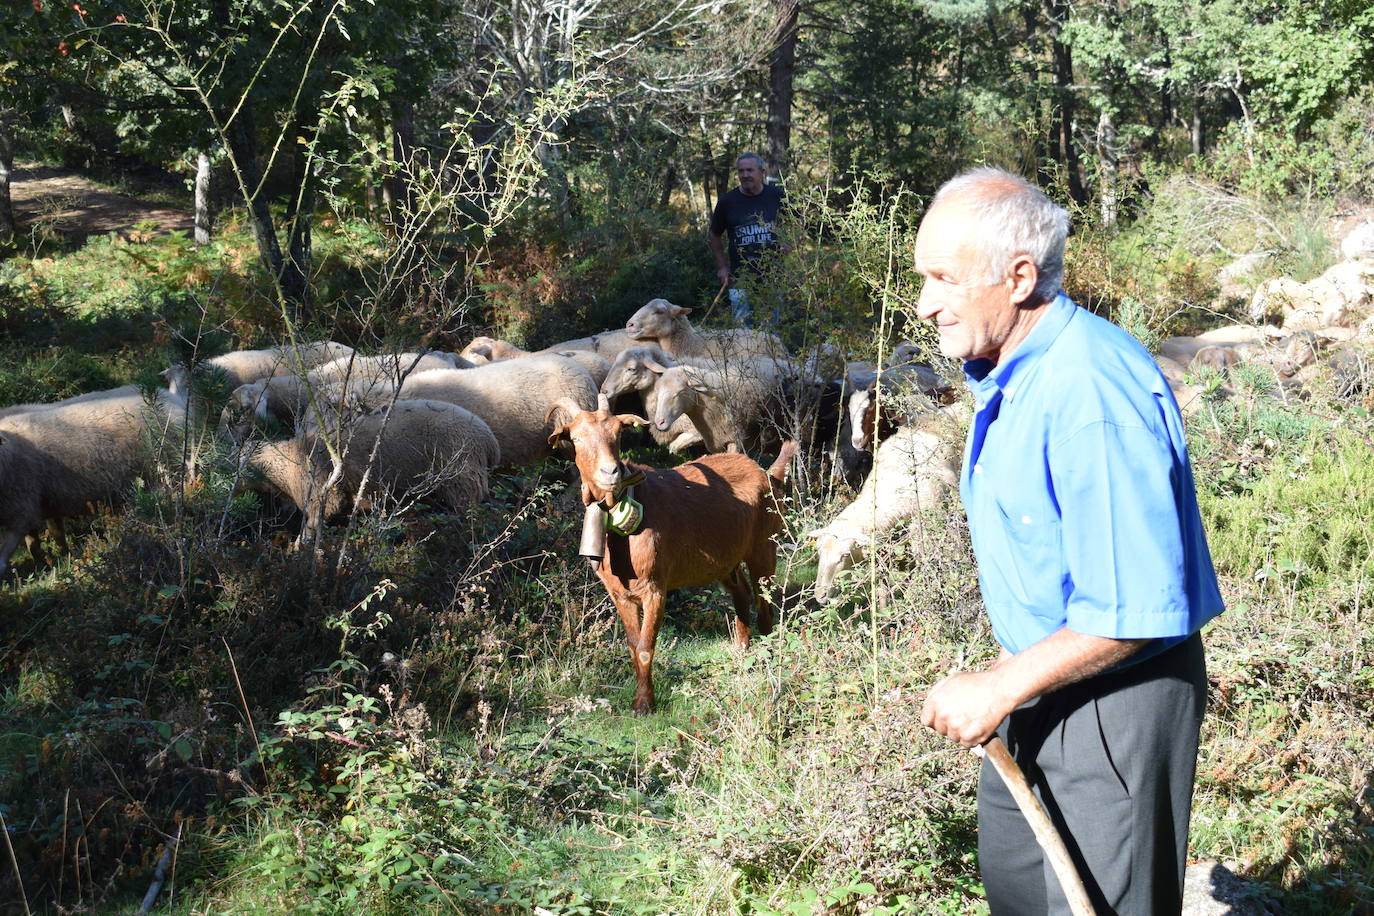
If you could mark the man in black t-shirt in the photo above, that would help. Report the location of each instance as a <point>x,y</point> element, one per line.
<point>749,214</point>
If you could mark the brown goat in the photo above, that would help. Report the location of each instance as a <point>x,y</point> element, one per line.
<point>709,520</point>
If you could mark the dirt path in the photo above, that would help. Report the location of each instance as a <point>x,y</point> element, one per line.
<point>75,208</point>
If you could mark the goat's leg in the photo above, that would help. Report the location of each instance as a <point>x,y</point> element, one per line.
<point>765,606</point>
<point>737,584</point>
<point>763,564</point>
<point>644,653</point>
<point>629,608</point>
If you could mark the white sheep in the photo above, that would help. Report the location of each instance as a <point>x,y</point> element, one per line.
<point>287,400</point>
<point>731,403</point>
<point>598,367</point>
<point>483,350</point>
<point>913,470</point>
<point>385,368</point>
<point>665,325</point>
<point>61,461</point>
<point>428,450</point>
<point>513,396</point>
<point>122,391</point>
<point>242,366</point>
<point>637,369</point>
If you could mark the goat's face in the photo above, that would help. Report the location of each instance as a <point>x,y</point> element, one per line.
<point>595,438</point>
<point>656,318</point>
<point>834,554</point>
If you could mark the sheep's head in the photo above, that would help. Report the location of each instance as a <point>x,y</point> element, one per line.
<point>636,369</point>
<point>480,351</point>
<point>836,551</point>
<point>655,319</point>
<point>595,438</point>
<point>905,352</point>
<point>245,402</point>
<point>862,410</point>
<point>178,378</point>
<point>676,393</point>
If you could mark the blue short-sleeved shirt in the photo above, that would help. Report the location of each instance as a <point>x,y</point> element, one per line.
<point>1079,493</point>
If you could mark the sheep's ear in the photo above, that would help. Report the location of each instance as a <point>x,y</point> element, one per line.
<point>629,419</point>
<point>694,379</point>
<point>654,366</point>
<point>815,533</point>
<point>483,350</point>
<point>678,311</point>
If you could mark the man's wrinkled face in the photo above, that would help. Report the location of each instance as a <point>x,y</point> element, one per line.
<point>973,317</point>
<point>750,175</point>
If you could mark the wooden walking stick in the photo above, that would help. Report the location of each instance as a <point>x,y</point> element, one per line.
<point>1045,834</point>
<point>712,307</point>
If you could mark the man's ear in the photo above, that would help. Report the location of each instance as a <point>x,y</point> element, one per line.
<point>1022,274</point>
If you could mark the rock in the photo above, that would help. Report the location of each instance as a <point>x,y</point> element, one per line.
<point>1181,349</point>
<point>1276,298</point>
<point>1212,889</point>
<point>1232,334</point>
<point>1236,281</point>
<point>1355,280</point>
<point>1359,242</point>
<point>1304,306</point>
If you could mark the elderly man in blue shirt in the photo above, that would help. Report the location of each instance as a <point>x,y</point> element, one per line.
<point>1091,559</point>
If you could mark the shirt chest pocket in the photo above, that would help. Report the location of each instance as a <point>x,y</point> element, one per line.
<point>1029,525</point>
<point>1034,561</point>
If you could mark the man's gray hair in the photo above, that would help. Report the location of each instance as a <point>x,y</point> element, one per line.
<point>763,166</point>
<point>1012,217</point>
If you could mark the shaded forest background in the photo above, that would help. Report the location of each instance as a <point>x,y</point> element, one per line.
<point>431,715</point>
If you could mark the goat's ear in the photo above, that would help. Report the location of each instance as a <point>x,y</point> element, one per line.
<point>558,436</point>
<point>629,419</point>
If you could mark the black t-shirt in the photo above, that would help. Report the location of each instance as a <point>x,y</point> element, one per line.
<point>751,222</point>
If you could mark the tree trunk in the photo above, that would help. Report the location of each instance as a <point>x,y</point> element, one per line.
<point>782,65</point>
<point>1195,132</point>
<point>1062,54</point>
<point>244,146</point>
<point>403,154</point>
<point>204,217</point>
<point>1108,156</point>
<point>7,226</point>
<point>300,210</point>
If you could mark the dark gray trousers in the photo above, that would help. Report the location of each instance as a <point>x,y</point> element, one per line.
<point>1112,758</point>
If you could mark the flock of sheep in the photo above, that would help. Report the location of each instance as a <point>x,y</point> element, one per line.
<point>333,430</point>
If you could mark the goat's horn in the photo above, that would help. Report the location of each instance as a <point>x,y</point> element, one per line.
<point>565,404</point>
<point>603,402</point>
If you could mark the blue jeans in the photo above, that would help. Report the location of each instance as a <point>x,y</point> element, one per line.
<point>743,311</point>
